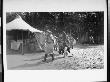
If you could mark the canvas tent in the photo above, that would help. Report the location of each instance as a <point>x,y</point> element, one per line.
<point>20,24</point>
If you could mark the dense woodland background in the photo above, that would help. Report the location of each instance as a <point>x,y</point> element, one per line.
<point>80,25</point>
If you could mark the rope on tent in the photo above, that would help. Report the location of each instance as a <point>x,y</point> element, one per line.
<point>37,39</point>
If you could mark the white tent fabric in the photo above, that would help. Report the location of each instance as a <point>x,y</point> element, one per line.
<point>20,24</point>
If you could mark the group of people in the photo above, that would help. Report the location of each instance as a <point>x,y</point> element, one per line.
<point>50,45</point>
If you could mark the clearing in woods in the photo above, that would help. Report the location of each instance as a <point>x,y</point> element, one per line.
<point>83,57</point>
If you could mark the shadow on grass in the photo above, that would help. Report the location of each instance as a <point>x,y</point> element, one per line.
<point>39,58</point>
<point>40,62</point>
<point>35,59</point>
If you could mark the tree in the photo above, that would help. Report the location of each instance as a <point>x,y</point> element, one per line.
<point>78,24</point>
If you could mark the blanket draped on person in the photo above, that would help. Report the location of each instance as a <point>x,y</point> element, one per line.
<point>48,42</point>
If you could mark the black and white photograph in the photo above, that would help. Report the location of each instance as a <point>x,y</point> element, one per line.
<point>55,40</point>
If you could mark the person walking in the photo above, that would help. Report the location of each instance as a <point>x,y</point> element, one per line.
<point>49,45</point>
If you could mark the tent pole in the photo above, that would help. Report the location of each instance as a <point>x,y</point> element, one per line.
<point>22,44</point>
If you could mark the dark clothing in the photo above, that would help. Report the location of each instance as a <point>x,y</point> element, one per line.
<point>62,47</point>
<point>61,51</point>
<point>68,49</point>
<point>52,55</point>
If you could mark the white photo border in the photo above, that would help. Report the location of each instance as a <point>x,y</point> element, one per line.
<point>54,75</point>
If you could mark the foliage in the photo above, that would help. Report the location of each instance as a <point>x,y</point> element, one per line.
<point>75,23</point>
